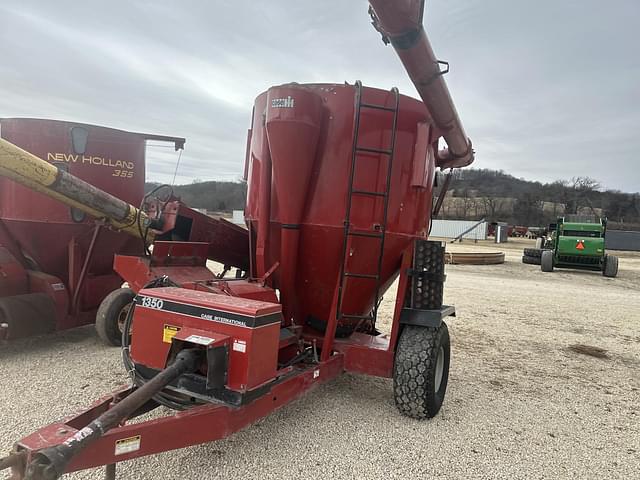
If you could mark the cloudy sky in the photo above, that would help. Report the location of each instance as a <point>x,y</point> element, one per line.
<point>546,90</point>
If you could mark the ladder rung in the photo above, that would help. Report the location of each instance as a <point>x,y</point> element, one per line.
<point>374,150</point>
<point>366,192</point>
<point>366,234</point>
<point>378,107</point>
<point>361,317</point>
<point>361,275</point>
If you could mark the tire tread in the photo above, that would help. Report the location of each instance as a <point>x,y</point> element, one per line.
<point>415,361</point>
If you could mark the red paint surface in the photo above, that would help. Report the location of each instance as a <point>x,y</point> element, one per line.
<point>44,229</point>
<point>42,226</point>
<point>13,277</point>
<point>181,429</point>
<point>318,253</point>
<point>247,369</point>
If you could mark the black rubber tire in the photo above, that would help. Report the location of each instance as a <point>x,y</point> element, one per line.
<point>414,370</point>
<point>546,261</point>
<point>533,252</point>
<point>110,315</point>
<point>531,260</point>
<point>27,315</point>
<point>610,266</point>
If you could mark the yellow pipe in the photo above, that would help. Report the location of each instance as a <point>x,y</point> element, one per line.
<point>40,176</point>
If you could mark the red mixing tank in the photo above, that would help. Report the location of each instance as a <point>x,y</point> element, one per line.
<point>339,183</point>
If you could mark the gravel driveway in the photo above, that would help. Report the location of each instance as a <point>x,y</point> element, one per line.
<point>521,403</point>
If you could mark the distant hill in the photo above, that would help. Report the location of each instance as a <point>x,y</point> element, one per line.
<point>496,195</point>
<point>474,194</point>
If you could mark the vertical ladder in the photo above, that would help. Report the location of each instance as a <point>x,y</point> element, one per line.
<point>378,234</point>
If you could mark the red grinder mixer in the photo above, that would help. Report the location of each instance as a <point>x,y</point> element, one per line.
<point>340,191</point>
<point>56,264</point>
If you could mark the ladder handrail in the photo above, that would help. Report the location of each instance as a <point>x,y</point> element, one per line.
<point>359,104</point>
<point>386,200</point>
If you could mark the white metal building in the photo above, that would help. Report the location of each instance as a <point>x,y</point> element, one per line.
<point>453,228</point>
<point>238,217</point>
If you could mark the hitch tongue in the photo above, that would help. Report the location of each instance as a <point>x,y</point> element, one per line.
<point>50,463</point>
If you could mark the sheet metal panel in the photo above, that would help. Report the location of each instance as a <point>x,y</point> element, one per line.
<point>453,228</point>
<point>622,240</point>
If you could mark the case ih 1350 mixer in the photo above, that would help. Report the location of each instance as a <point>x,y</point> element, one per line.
<point>340,181</point>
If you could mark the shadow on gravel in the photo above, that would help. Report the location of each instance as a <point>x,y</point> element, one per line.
<point>589,350</point>
<point>52,342</point>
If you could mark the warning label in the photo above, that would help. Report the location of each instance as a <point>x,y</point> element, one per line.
<point>169,332</point>
<point>127,445</point>
<point>240,346</point>
<point>199,340</point>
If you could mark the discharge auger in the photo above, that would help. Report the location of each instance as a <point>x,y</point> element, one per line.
<point>41,176</point>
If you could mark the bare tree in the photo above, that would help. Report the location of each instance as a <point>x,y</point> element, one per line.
<point>465,204</point>
<point>585,184</point>
<point>492,206</point>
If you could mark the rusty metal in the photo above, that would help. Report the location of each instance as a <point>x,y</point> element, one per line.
<point>400,23</point>
<point>474,258</point>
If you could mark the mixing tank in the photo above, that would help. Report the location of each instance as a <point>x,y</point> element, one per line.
<point>339,184</point>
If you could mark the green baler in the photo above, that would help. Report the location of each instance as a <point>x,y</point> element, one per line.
<point>578,242</point>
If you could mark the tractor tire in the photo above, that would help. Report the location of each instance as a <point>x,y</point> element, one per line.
<point>533,252</point>
<point>530,260</point>
<point>610,266</point>
<point>421,370</point>
<point>112,314</point>
<point>539,243</point>
<point>546,261</point>
<point>27,315</point>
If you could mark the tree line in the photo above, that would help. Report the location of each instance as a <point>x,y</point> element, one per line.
<point>498,196</point>
<point>474,194</point>
<point>212,196</point>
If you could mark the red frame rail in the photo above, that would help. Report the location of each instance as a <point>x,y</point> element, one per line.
<point>182,429</point>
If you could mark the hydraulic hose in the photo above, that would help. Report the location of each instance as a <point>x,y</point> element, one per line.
<point>174,402</point>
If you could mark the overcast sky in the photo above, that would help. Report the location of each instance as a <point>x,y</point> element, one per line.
<point>547,89</point>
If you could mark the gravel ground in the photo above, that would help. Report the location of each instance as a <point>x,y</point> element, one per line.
<point>520,403</point>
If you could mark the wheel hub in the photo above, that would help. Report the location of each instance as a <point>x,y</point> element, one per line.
<point>122,317</point>
<point>439,369</point>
